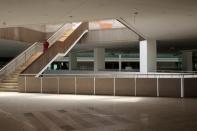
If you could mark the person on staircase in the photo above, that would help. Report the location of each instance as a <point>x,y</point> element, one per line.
<point>45,45</point>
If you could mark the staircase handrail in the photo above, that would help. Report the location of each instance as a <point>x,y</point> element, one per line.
<point>14,61</point>
<point>25,55</point>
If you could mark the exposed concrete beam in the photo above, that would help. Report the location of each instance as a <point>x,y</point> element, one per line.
<point>130,27</point>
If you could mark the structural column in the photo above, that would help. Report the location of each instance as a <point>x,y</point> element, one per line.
<point>99,59</point>
<point>148,56</point>
<point>72,61</point>
<point>187,61</point>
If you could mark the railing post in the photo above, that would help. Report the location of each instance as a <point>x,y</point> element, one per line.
<point>157,86</point>
<point>114,86</point>
<point>94,86</point>
<point>41,85</point>
<point>58,85</point>
<point>135,84</point>
<point>75,85</point>
<point>25,84</point>
<point>182,86</point>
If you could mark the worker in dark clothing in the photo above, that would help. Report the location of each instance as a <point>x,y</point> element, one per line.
<point>45,45</point>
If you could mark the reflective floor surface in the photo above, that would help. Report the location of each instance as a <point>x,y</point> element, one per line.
<point>47,112</point>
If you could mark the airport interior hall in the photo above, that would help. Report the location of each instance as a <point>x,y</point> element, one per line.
<point>98,65</point>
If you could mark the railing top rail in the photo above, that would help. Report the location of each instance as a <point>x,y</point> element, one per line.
<point>21,54</point>
<point>56,31</point>
<point>175,71</point>
<point>52,36</point>
<point>155,75</point>
<point>62,28</point>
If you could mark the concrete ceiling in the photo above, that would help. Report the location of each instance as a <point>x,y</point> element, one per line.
<point>155,19</point>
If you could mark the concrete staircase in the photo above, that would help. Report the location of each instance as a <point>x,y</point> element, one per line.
<point>10,83</point>
<point>66,34</point>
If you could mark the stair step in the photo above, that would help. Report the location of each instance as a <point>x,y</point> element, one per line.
<point>9,83</point>
<point>11,78</point>
<point>20,68</point>
<point>14,73</point>
<point>9,89</point>
<point>17,70</point>
<point>8,86</point>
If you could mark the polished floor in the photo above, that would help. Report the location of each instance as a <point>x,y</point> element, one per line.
<point>44,112</point>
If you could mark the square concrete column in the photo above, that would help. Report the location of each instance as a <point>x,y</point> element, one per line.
<point>72,61</point>
<point>187,61</point>
<point>99,59</point>
<point>148,55</point>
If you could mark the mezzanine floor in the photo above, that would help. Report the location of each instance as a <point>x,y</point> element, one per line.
<point>48,112</point>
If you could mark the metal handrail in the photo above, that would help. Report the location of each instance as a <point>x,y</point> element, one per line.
<point>17,57</point>
<point>57,35</point>
<point>122,75</point>
<point>15,62</point>
<point>36,47</point>
<point>175,71</point>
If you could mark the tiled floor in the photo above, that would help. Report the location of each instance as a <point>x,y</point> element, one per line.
<point>37,112</point>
